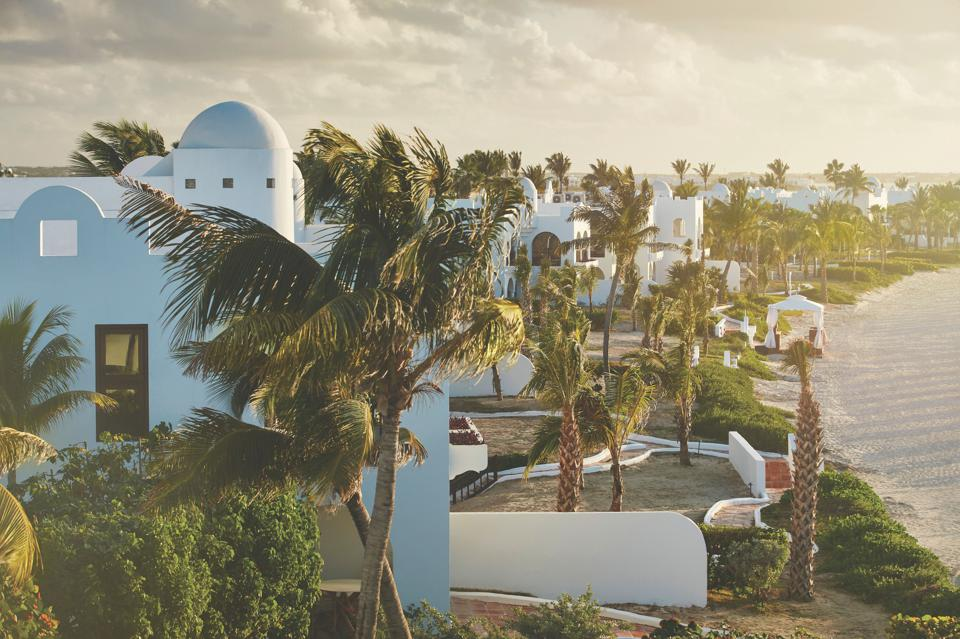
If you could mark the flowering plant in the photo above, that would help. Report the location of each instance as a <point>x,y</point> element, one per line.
<point>23,614</point>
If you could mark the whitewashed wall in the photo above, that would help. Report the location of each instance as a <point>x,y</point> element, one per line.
<point>513,377</point>
<point>748,463</point>
<point>467,457</point>
<point>640,557</point>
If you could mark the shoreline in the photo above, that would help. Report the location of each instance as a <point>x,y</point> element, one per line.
<point>889,390</point>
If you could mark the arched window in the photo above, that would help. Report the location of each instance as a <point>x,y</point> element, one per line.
<point>510,289</point>
<point>546,246</point>
<point>679,227</point>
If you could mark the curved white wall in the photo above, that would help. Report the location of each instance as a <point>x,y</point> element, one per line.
<point>639,557</point>
<point>513,377</point>
<point>467,457</point>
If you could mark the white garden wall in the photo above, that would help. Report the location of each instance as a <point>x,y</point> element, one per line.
<point>641,557</point>
<point>513,377</point>
<point>467,457</point>
<point>748,463</point>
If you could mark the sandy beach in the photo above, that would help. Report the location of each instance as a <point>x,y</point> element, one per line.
<point>889,388</point>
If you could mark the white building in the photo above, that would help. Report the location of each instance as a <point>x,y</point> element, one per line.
<point>546,227</point>
<point>60,243</point>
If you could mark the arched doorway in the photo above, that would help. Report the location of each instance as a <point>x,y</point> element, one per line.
<point>546,246</point>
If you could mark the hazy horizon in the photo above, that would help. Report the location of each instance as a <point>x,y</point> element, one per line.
<point>639,84</point>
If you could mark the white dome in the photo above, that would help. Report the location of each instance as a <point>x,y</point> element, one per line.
<point>661,189</point>
<point>720,190</point>
<point>138,167</point>
<point>234,125</point>
<point>874,184</point>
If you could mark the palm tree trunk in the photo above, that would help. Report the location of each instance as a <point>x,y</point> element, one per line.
<point>497,386</point>
<point>569,486</point>
<point>611,299</point>
<point>392,606</point>
<point>756,265</point>
<point>723,289</point>
<point>616,472</point>
<point>375,550</point>
<point>854,266</point>
<point>806,474</point>
<point>590,300</point>
<point>883,259</point>
<point>823,279</point>
<point>683,431</point>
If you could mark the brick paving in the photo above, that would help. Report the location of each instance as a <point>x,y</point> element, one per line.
<point>778,480</point>
<point>498,613</point>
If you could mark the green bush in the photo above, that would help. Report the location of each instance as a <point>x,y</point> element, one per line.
<point>426,622</point>
<point>925,627</point>
<point>837,295</point>
<point>734,553</point>
<point>23,614</point>
<point>673,629</point>
<point>113,570</point>
<point>873,555</point>
<point>568,618</point>
<point>598,318</point>
<point>895,267</point>
<point>726,402</point>
<point>845,274</point>
<point>756,565</point>
<point>750,360</point>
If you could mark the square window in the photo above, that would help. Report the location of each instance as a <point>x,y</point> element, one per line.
<point>58,238</point>
<point>228,183</point>
<point>271,183</point>
<point>190,183</point>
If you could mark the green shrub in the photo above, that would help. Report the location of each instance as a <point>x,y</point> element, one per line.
<point>734,553</point>
<point>837,295</point>
<point>873,555</point>
<point>264,566</point>
<point>598,318</point>
<point>426,622</point>
<point>113,570</point>
<point>845,274</point>
<point>568,618</point>
<point>895,267</point>
<point>925,627</point>
<point>673,629</point>
<point>726,402</point>
<point>756,565</point>
<point>23,614</point>
<point>750,360</point>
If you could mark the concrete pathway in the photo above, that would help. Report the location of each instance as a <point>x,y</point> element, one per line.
<point>744,515</point>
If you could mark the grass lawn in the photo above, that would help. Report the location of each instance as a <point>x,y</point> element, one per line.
<point>833,614</point>
<point>660,483</point>
<point>491,405</point>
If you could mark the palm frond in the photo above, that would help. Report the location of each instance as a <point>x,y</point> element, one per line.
<point>18,447</point>
<point>18,541</point>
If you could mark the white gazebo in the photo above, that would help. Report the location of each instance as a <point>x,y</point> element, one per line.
<point>795,302</point>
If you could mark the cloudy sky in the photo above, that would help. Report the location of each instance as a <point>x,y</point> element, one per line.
<point>732,82</point>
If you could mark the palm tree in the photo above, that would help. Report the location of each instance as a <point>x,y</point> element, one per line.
<point>779,170</point>
<point>630,298</point>
<point>879,233</point>
<point>856,235</point>
<point>855,182</point>
<point>619,221</point>
<point>536,174</point>
<point>917,210</point>
<point>806,469</point>
<point>655,311</point>
<point>680,167</point>
<point>560,375</point>
<point>404,271</point>
<point>38,364</point>
<point>705,170</point>
<point>18,541</point>
<point>601,173</point>
<point>587,281</point>
<point>515,159</point>
<point>693,295</point>
<point>782,235</point>
<point>522,269</point>
<point>686,190</point>
<point>902,183</point>
<point>834,173</point>
<point>114,145</point>
<point>737,223</point>
<point>825,230</point>
<point>629,398</point>
<point>559,165</point>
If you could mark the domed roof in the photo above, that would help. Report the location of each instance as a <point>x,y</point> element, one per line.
<point>234,125</point>
<point>720,190</point>
<point>138,167</point>
<point>661,189</point>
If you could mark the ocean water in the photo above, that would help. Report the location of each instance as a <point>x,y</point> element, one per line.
<point>889,388</point>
